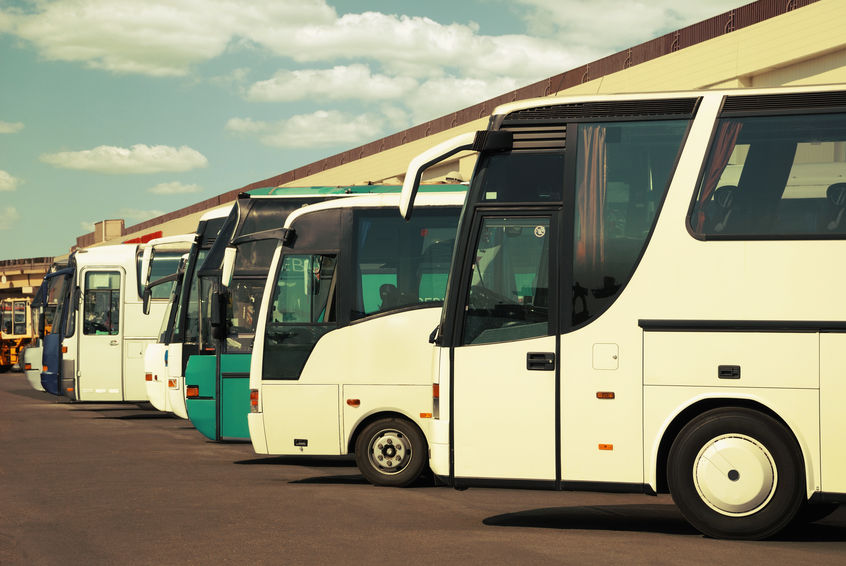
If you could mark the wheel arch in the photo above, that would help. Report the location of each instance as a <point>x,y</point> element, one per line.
<point>700,406</point>
<point>375,416</point>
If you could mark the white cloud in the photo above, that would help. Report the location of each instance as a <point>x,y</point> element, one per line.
<point>607,26</point>
<point>421,47</point>
<point>324,128</point>
<point>438,97</point>
<point>137,159</point>
<point>87,226</point>
<point>338,83</point>
<point>155,37</point>
<point>137,214</point>
<point>7,182</point>
<point>10,127</point>
<point>168,37</point>
<point>9,216</point>
<point>174,188</point>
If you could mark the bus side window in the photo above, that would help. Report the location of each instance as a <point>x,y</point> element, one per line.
<point>784,177</point>
<point>101,303</point>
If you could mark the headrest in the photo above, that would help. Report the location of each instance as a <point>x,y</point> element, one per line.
<point>724,195</point>
<point>836,194</point>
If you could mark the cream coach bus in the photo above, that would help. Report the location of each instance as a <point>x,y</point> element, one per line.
<point>341,362</point>
<point>645,297</point>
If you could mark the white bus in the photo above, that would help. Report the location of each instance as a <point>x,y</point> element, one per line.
<point>104,331</point>
<point>342,363</point>
<point>644,298</point>
<point>165,359</point>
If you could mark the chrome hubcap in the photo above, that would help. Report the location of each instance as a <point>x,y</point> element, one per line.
<point>389,451</point>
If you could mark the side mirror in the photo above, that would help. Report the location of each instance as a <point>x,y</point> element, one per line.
<point>41,322</point>
<point>145,298</point>
<point>227,268</point>
<point>219,302</point>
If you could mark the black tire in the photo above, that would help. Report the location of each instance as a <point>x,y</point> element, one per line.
<point>379,445</point>
<point>756,448</point>
<point>5,367</point>
<point>812,512</point>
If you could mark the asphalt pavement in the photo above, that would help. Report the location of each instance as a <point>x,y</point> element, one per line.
<point>124,484</point>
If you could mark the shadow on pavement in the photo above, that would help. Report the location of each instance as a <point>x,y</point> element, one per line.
<point>637,518</point>
<point>33,394</point>
<point>310,461</point>
<point>651,518</point>
<point>334,480</point>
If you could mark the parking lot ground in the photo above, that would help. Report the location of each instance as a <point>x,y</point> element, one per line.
<point>123,484</point>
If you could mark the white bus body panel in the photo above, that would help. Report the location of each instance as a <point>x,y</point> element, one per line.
<point>175,381</point>
<point>32,356</point>
<point>506,410</point>
<point>155,366</point>
<point>384,362</point>
<point>100,356</point>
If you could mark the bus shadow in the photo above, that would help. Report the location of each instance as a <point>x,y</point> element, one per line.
<point>33,394</point>
<point>307,461</point>
<point>352,479</point>
<point>652,518</point>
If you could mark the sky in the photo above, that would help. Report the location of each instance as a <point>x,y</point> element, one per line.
<point>135,108</point>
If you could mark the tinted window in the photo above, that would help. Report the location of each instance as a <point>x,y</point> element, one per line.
<point>774,176</point>
<point>622,173</point>
<point>401,264</point>
<point>509,287</point>
<point>101,303</point>
<point>20,317</point>
<point>162,264</point>
<point>301,311</point>
<point>520,177</point>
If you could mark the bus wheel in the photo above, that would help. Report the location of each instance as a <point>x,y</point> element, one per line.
<point>812,512</point>
<point>390,452</point>
<point>736,473</point>
<point>5,367</point>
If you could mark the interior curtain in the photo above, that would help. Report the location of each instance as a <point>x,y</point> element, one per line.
<point>721,151</point>
<point>590,197</point>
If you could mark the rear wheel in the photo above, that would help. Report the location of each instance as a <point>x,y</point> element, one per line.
<point>736,473</point>
<point>811,512</point>
<point>5,367</point>
<point>391,452</point>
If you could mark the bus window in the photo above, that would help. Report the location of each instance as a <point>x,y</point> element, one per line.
<point>301,311</point>
<point>101,303</point>
<point>622,175</point>
<point>401,268</point>
<point>20,318</point>
<point>510,281</point>
<point>774,176</point>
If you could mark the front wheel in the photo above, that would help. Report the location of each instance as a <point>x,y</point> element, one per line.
<point>736,473</point>
<point>391,452</point>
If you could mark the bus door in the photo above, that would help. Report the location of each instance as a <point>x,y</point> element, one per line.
<point>505,358</point>
<point>100,353</point>
<point>57,309</point>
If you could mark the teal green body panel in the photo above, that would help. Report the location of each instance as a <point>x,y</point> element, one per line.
<point>200,372</point>
<point>234,395</point>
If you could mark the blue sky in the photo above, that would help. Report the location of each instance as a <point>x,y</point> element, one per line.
<point>134,108</point>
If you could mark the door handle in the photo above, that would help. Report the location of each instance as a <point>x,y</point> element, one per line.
<point>114,343</point>
<point>540,361</point>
